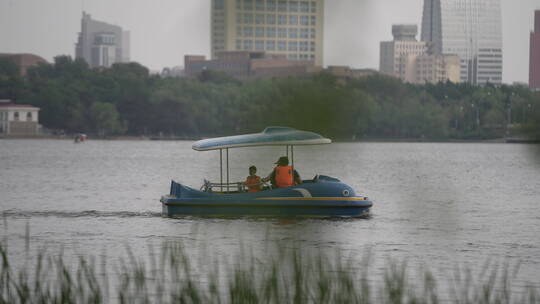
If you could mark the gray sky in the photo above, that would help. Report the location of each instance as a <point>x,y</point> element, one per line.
<point>163,31</point>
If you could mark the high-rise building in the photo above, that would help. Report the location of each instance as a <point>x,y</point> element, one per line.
<point>435,68</point>
<point>101,44</point>
<point>396,55</point>
<point>470,29</point>
<point>534,61</point>
<point>409,59</point>
<point>293,28</point>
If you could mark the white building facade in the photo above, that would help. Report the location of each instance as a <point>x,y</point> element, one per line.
<point>102,44</point>
<point>18,119</point>
<point>411,61</point>
<point>470,29</point>
<point>293,28</point>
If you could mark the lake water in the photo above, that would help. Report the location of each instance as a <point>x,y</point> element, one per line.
<point>438,205</point>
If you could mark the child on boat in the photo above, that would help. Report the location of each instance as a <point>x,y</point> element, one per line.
<point>253,182</point>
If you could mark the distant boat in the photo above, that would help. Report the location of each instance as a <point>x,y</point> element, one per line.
<point>320,196</point>
<point>79,138</point>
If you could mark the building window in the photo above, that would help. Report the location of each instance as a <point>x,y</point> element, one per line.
<point>270,45</point>
<point>219,4</point>
<point>304,33</point>
<point>259,5</point>
<point>282,5</point>
<point>259,19</point>
<point>304,7</point>
<point>259,45</point>
<point>248,18</point>
<point>282,19</point>
<point>293,33</point>
<point>293,20</point>
<point>293,56</point>
<point>270,19</point>
<point>239,18</point>
<point>271,32</point>
<point>16,116</point>
<point>312,33</point>
<point>293,6</point>
<point>282,45</point>
<point>304,20</point>
<point>238,44</point>
<point>248,31</point>
<point>312,46</point>
<point>259,31</point>
<point>238,4</point>
<point>303,46</point>
<point>293,45</point>
<point>239,31</point>
<point>248,4</point>
<point>282,33</point>
<point>29,116</point>
<point>313,20</point>
<point>271,5</point>
<point>313,6</point>
<point>248,45</point>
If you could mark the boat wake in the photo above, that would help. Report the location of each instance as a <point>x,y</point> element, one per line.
<point>76,214</point>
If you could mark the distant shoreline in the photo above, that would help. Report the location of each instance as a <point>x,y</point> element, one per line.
<point>514,140</point>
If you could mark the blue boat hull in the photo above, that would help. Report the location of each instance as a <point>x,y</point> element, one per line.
<point>326,197</point>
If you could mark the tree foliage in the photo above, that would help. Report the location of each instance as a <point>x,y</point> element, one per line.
<point>126,99</point>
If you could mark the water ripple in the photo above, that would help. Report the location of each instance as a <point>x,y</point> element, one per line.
<point>76,214</point>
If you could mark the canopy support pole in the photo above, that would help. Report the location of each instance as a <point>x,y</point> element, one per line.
<point>292,156</point>
<point>287,150</point>
<point>227,169</point>
<point>221,168</point>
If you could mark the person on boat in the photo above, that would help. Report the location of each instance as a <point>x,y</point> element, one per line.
<point>283,175</point>
<point>253,182</point>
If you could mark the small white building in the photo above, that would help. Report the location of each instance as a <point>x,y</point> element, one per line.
<point>18,119</point>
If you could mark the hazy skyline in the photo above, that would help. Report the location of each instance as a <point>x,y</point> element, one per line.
<point>161,34</point>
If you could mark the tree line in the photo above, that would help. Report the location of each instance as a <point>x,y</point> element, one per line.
<point>127,100</point>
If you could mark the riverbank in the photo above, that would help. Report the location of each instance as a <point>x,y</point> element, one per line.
<point>517,140</point>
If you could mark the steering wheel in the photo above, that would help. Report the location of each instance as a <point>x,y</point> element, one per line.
<point>316,178</point>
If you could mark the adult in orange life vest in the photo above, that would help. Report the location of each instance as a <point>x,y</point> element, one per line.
<point>283,175</point>
<point>253,182</point>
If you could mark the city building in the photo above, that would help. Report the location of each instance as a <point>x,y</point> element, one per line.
<point>534,61</point>
<point>434,69</point>
<point>293,28</point>
<point>470,29</point>
<point>18,119</point>
<point>397,56</point>
<point>101,44</point>
<point>246,65</point>
<point>176,71</point>
<point>24,61</point>
<point>344,73</point>
<point>412,60</point>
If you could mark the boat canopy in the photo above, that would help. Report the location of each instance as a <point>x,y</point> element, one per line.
<point>271,136</point>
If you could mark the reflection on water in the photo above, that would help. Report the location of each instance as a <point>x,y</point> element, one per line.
<point>434,204</point>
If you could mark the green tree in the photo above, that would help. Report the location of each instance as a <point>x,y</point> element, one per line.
<point>106,119</point>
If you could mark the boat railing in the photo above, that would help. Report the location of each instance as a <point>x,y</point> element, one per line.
<point>223,187</point>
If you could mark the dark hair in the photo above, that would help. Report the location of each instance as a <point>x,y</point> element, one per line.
<point>283,161</point>
<point>252,168</point>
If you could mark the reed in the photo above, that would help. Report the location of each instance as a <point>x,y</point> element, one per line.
<point>168,275</point>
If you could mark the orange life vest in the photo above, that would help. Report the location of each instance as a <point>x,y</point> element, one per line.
<point>253,183</point>
<point>284,176</point>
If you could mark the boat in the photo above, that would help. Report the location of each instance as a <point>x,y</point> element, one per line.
<point>320,196</point>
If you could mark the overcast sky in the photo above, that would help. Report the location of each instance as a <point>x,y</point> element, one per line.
<point>163,31</point>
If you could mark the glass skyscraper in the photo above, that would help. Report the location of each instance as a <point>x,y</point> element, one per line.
<point>470,29</point>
